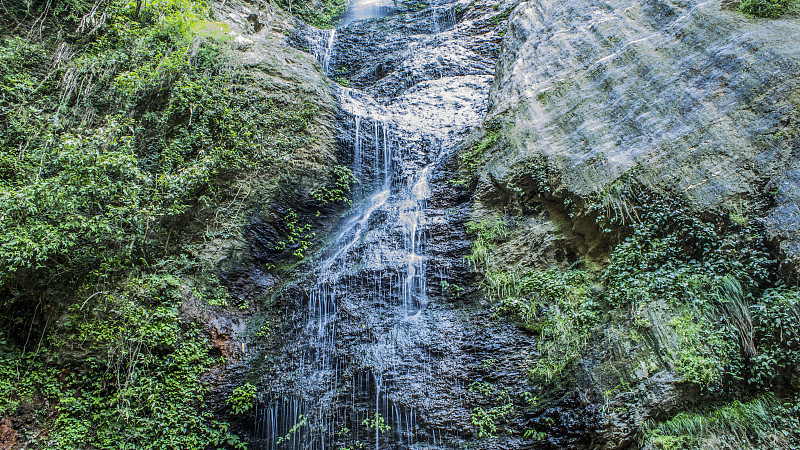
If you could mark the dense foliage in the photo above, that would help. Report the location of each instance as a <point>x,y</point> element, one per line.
<point>770,9</point>
<point>732,331</point>
<point>123,122</point>
<point>319,13</point>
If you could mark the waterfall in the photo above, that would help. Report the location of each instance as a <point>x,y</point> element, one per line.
<point>321,45</point>
<point>357,372</point>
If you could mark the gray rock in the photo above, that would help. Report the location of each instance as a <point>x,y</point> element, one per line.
<point>700,100</point>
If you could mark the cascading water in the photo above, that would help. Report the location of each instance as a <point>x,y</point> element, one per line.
<point>360,372</point>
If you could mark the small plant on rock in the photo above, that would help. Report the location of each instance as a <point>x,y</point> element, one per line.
<point>241,399</point>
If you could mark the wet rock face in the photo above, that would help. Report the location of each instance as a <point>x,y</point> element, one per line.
<point>386,319</point>
<point>700,101</point>
<point>411,48</point>
<point>659,397</point>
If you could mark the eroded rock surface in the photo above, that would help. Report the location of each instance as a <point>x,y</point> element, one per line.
<point>690,98</point>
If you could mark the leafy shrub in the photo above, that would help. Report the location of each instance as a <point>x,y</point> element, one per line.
<point>770,9</point>
<point>337,190</point>
<point>776,319</point>
<point>673,255</point>
<point>241,399</point>
<point>487,420</point>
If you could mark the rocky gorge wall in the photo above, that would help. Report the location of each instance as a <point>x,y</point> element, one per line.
<point>574,225</point>
<point>631,205</point>
<point>599,112</point>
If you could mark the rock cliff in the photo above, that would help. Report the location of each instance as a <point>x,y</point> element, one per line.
<point>689,98</point>
<point>599,111</point>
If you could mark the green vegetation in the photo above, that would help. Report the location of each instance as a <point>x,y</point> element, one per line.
<point>776,321</point>
<point>501,18</point>
<point>676,257</point>
<point>341,182</point>
<point>712,278</point>
<point>292,431</point>
<point>770,9</point>
<point>485,236</point>
<point>114,158</point>
<point>241,399</point>
<point>375,425</point>
<point>488,420</point>
<point>319,13</point>
<point>414,5</point>
<point>473,157</point>
<point>759,423</point>
<point>342,81</point>
<point>451,289</point>
<point>377,422</point>
<point>133,383</point>
<point>298,238</point>
<point>731,326</point>
<point>556,304</point>
<point>702,350</point>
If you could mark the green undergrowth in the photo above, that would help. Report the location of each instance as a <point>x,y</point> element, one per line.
<point>763,422</point>
<point>557,305</point>
<point>338,189</point>
<point>124,126</point>
<point>719,281</point>
<point>122,372</point>
<point>731,328</point>
<point>769,9</point>
<point>489,418</point>
<point>241,399</point>
<point>319,13</point>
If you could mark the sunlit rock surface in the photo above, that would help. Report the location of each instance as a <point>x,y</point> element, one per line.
<point>690,98</point>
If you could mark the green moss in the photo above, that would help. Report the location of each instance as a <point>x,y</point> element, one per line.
<point>473,157</point>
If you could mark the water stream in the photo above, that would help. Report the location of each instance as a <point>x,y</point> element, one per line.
<point>360,373</point>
